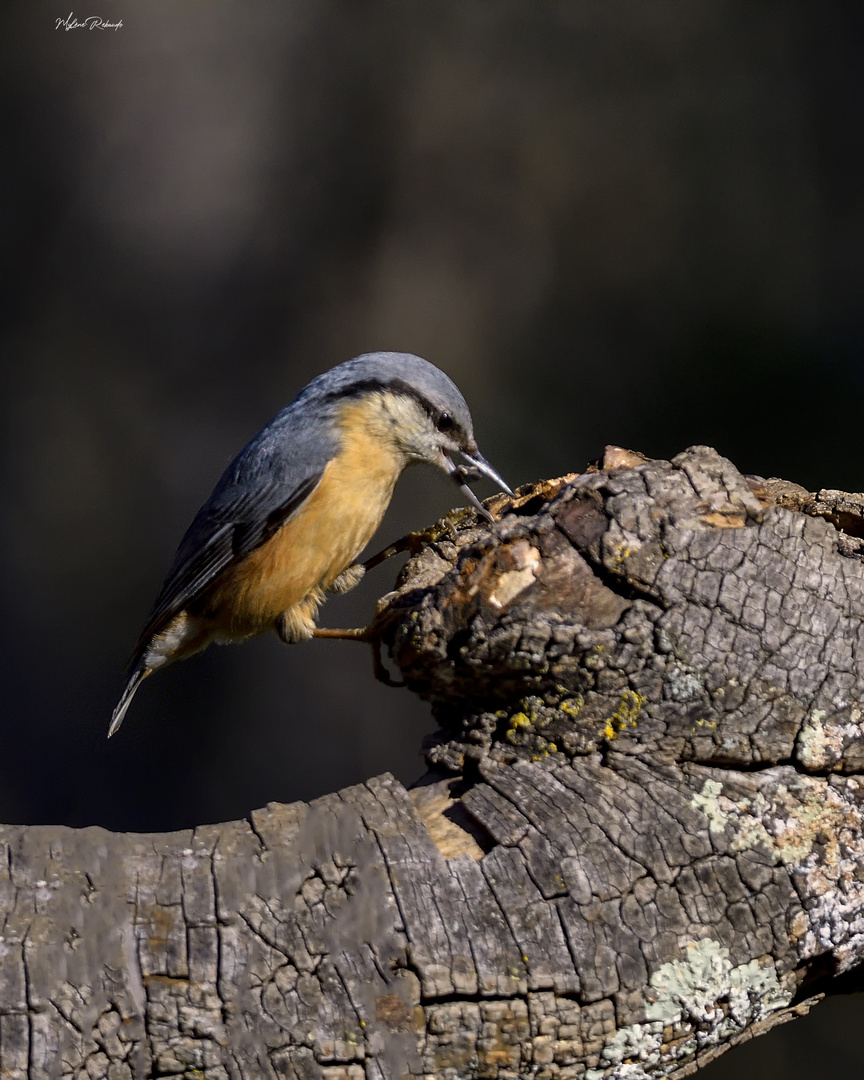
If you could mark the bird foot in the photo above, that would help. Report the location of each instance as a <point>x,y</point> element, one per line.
<point>412,542</point>
<point>370,636</point>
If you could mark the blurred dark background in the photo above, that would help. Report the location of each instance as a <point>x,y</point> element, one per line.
<point>639,223</point>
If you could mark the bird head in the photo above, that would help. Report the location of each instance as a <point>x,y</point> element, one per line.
<point>418,411</point>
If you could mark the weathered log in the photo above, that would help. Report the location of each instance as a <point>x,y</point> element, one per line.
<point>640,841</point>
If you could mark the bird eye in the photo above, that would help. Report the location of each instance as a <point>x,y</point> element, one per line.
<point>444,422</point>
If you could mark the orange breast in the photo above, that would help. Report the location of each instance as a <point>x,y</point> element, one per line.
<point>324,537</point>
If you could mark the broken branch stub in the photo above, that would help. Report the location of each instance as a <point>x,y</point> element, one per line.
<point>651,681</point>
<point>639,844</point>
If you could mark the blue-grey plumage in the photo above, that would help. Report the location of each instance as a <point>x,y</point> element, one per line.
<point>296,506</point>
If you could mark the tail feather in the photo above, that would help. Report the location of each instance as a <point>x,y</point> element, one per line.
<point>135,680</point>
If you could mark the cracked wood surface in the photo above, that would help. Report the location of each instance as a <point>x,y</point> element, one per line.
<point>639,843</point>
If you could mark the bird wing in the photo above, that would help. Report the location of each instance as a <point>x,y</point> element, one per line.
<point>261,489</point>
<point>220,536</point>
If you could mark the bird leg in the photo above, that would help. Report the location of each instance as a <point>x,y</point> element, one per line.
<point>359,633</point>
<point>371,635</point>
<point>348,579</point>
<point>352,575</point>
<point>413,542</point>
<point>296,625</point>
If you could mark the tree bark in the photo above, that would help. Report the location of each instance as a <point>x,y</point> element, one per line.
<point>639,843</point>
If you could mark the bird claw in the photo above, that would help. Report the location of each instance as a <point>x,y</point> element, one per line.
<point>380,671</point>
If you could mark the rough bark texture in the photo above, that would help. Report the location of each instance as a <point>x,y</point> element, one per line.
<point>640,841</point>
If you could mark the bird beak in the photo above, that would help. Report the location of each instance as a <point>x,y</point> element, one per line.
<point>485,469</point>
<point>478,466</point>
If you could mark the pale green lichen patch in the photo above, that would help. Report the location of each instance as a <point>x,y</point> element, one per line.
<point>683,683</point>
<point>690,989</point>
<point>812,741</point>
<point>826,741</point>
<point>708,801</point>
<point>750,831</point>
<point>701,994</point>
<point>788,824</point>
<point>815,828</point>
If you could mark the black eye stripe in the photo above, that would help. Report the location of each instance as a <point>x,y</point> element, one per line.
<point>398,386</point>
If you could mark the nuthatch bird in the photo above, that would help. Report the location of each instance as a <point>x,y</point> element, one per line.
<point>297,505</point>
